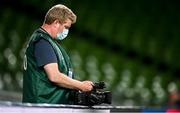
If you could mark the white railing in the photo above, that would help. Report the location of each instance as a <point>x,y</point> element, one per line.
<point>17,107</point>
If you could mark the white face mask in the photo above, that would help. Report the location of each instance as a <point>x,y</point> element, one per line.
<point>62,35</point>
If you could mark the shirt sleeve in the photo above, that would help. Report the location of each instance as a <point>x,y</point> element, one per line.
<point>44,53</point>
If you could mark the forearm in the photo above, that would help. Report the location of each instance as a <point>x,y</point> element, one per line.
<point>64,81</point>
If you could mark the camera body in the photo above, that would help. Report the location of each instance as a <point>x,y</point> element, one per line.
<point>95,97</point>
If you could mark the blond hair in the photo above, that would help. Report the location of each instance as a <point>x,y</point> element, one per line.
<point>59,12</point>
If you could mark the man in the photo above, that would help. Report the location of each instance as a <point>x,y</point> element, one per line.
<point>48,74</point>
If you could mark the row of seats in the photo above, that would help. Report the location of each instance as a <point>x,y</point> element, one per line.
<point>149,32</point>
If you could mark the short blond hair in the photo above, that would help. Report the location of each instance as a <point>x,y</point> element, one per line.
<point>59,12</point>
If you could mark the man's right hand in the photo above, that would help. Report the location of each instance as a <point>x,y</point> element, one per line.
<point>86,86</point>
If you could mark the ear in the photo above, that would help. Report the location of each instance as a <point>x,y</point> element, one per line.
<point>56,23</point>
